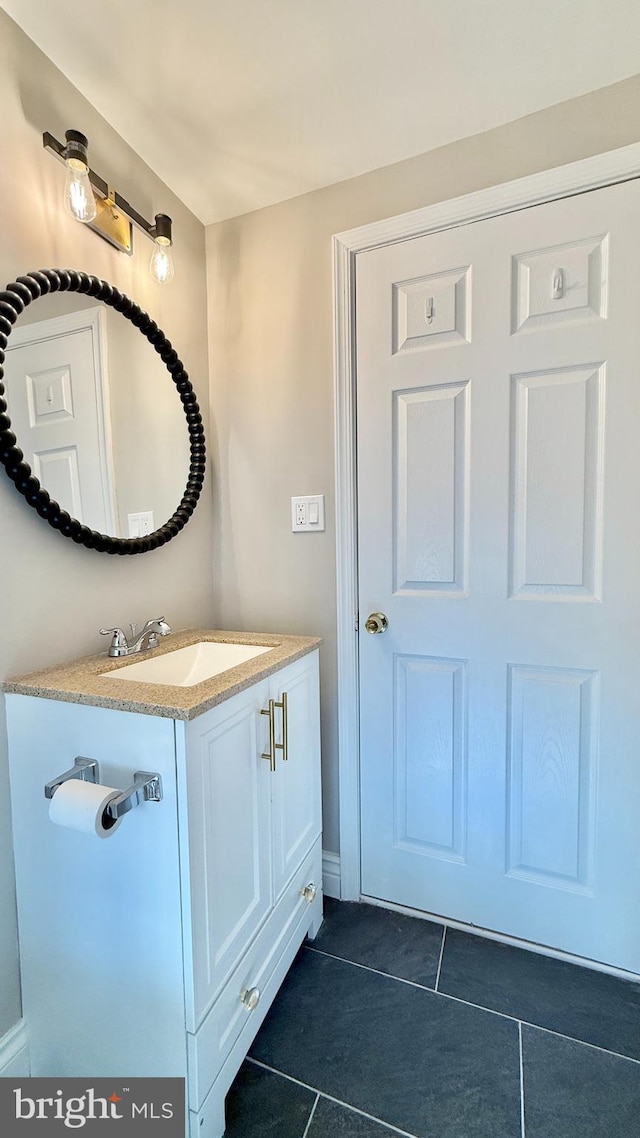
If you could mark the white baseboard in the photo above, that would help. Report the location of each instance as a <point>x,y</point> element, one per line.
<point>331,874</point>
<point>14,1053</point>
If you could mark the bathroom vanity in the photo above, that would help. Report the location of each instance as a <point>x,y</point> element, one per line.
<point>158,949</point>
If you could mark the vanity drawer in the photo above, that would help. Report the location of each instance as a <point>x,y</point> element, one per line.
<point>208,1048</point>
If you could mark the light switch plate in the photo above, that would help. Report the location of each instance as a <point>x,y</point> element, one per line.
<point>307,513</point>
<point>141,523</point>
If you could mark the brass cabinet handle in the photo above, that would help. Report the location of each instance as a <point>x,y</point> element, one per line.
<point>310,892</point>
<point>284,745</point>
<point>250,998</point>
<point>271,753</point>
<point>376,622</point>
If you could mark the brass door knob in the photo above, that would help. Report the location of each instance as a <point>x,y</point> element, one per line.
<point>376,622</point>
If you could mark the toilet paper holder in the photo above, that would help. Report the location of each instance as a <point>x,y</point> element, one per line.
<point>87,770</point>
<point>146,786</point>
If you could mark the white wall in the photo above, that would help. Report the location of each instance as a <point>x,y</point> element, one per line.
<point>270,321</point>
<point>56,595</point>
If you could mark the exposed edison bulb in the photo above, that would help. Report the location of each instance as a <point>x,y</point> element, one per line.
<point>161,265</point>
<point>78,195</point>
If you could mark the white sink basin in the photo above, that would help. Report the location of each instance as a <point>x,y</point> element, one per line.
<point>185,667</point>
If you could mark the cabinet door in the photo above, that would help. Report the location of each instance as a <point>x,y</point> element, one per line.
<point>228,823</point>
<point>296,805</point>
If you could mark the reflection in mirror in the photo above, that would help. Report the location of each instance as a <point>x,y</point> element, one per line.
<point>97,415</point>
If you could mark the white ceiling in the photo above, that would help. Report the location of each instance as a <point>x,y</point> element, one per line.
<point>237,104</point>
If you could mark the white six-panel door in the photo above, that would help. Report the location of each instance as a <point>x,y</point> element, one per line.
<point>498,371</point>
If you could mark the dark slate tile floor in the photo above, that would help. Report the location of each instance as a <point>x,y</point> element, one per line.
<point>389,1025</point>
<point>570,1089</point>
<point>387,1048</point>
<point>579,1002</point>
<point>381,939</point>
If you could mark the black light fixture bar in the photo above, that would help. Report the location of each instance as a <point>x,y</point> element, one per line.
<point>161,225</point>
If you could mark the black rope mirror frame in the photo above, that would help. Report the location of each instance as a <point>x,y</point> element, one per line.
<point>13,301</point>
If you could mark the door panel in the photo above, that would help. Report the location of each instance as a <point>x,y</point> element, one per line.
<point>430,756</point>
<point>557,445</point>
<point>431,449</point>
<point>560,285</point>
<point>553,731</point>
<point>498,427</point>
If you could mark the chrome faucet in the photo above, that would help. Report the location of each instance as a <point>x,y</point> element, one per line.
<point>146,638</point>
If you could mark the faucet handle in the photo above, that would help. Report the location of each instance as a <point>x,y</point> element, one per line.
<point>119,639</point>
<point>160,625</point>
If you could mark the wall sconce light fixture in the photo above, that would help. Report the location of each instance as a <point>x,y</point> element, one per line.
<point>161,263</point>
<point>78,195</point>
<point>91,200</point>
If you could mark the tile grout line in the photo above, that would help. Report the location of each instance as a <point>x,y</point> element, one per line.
<point>444,933</point>
<point>521,1080</point>
<point>310,1118</point>
<point>480,1007</point>
<point>331,1098</point>
<point>582,1042</point>
<point>387,975</point>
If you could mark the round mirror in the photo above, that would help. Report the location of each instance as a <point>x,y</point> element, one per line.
<point>92,431</point>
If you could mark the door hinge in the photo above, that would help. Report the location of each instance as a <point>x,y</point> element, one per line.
<point>356,622</point>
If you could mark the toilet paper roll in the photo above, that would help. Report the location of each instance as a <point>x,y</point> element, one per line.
<point>80,805</point>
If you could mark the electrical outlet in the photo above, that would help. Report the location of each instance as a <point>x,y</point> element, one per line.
<point>307,513</point>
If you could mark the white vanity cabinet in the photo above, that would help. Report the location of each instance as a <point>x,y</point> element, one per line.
<point>250,836</point>
<point>158,950</point>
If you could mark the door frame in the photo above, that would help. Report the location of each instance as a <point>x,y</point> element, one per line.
<point>549,185</point>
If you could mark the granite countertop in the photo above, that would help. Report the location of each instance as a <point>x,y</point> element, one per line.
<point>81,681</point>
